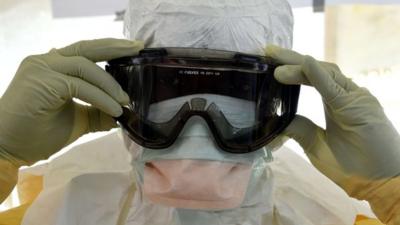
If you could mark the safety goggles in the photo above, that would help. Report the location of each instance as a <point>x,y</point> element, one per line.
<point>237,95</point>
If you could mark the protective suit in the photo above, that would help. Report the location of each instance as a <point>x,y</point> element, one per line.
<point>86,193</point>
<point>102,191</point>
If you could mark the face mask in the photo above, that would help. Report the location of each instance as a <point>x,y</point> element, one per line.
<point>257,201</point>
<point>196,184</point>
<point>193,173</point>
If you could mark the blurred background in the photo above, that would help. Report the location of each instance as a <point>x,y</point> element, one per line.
<point>361,36</point>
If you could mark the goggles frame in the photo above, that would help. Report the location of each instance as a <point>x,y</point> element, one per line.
<point>127,70</point>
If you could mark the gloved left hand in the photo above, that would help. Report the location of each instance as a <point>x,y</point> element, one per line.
<point>38,116</point>
<point>360,148</point>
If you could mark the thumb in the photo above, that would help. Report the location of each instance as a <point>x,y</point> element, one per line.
<point>89,119</point>
<point>312,139</point>
<point>302,130</point>
<point>99,121</point>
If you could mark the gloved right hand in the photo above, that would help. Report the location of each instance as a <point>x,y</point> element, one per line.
<point>38,116</point>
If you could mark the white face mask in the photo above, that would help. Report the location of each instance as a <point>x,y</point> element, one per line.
<point>196,184</point>
<point>168,199</point>
<point>194,173</point>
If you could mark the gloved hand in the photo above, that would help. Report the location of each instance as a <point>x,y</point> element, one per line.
<point>38,116</point>
<point>360,148</point>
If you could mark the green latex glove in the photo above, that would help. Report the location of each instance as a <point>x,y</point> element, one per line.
<point>37,114</point>
<point>360,148</point>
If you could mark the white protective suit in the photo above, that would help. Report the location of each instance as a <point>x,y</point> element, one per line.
<point>95,182</point>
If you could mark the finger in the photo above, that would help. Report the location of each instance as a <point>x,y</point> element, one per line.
<point>289,57</point>
<point>310,73</point>
<point>93,95</point>
<point>80,67</point>
<point>291,75</point>
<point>320,78</point>
<point>284,56</point>
<point>102,49</point>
